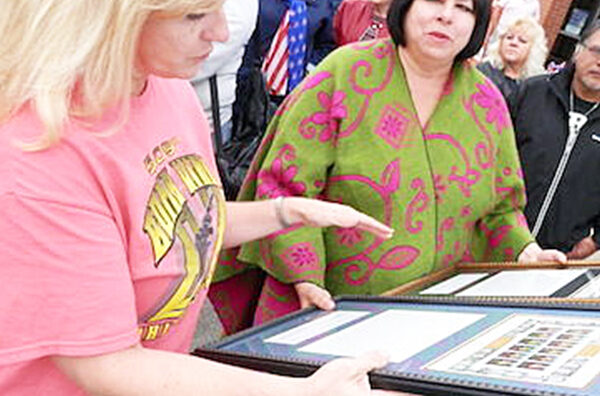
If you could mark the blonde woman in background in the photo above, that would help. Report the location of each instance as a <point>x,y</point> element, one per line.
<point>520,53</point>
<point>111,212</point>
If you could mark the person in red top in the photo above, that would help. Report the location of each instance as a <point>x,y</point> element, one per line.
<point>111,209</point>
<point>360,20</point>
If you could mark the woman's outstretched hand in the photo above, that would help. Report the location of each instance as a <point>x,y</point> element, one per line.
<point>310,295</point>
<point>316,213</point>
<point>348,377</point>
<point>534,253</point>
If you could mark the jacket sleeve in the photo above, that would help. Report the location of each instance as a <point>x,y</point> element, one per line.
<point>503,233</point>
<point>293,161</point>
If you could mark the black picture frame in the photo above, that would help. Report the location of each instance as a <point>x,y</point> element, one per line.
<point>263,358</point>
<point>566,293</point>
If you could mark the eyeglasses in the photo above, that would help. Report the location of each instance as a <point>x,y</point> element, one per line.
<point>594,50</point>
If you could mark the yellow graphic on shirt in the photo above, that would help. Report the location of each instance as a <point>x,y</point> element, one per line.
<point>186,205</point>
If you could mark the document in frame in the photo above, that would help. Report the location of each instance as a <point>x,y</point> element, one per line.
<point>436,345</point>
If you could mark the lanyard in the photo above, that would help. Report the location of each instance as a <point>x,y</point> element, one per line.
<point>576,119</point>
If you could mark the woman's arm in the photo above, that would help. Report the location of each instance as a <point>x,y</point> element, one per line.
<point>247,221</point>
<point>507,235</point>
<point>141,371</point>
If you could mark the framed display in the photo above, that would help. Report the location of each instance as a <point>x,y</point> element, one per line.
<point>437,346</point>
<point>576,281</point>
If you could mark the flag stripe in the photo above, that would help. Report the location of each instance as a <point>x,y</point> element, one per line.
<point>278,45</point>
<point>284,64</point>
<point>275,64</point>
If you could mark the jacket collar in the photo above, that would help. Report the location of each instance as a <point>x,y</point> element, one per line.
<point>560,84</point>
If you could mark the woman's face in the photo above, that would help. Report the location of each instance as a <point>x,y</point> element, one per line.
<point>175,47</point>
<point>438,29</point>
<point>515,46</point>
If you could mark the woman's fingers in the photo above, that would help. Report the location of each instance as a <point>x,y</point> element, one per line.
<point>368,223</point>
<point>552,255</point>
<point>367,362</point>
<point>346,376</point>
<point>310,294</point>
<point>534,253</point>
<point>317,213</point>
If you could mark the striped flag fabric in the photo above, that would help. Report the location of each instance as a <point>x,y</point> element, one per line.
<point>283,66</point>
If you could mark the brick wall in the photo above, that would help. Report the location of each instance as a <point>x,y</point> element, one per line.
<point>553,15</point>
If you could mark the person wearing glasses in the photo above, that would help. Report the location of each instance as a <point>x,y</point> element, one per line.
<point>557,125</point>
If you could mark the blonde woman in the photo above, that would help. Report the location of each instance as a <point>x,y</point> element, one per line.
<point>111,212</point>
<point>519,53</point>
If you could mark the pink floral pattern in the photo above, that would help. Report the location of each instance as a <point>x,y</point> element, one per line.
<point>348,236</point>
<point>490,98</point>
<point>315,80</point>
<point>466,211</point>
<point>398,257</point>
<point>447,225</point>
<point>418,204</point>
<point>334,110</point>
<point>392,126</point>
<point>279,181</point>
<point>300,256</point>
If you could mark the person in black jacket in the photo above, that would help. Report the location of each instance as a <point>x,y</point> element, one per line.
<point>557,125</point>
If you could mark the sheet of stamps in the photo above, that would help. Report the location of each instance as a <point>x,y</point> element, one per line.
<point>552,350</point>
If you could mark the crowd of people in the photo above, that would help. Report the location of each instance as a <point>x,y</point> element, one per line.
<point>405,136</point>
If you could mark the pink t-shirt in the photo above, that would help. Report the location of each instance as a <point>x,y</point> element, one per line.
<point>106,240</point>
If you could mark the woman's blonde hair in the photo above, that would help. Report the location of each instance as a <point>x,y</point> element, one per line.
<point>73,58</point>
<point>538,52</point>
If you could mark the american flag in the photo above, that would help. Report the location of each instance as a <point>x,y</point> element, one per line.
<point>283,66</point>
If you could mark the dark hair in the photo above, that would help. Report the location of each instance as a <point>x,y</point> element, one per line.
<point>482,9</point>
<point>590,30</point>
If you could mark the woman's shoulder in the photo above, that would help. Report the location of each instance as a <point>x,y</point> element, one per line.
<point>472,74</point>
<point>36,164</point>
<point>372,51</point>
<point>174,92</point>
